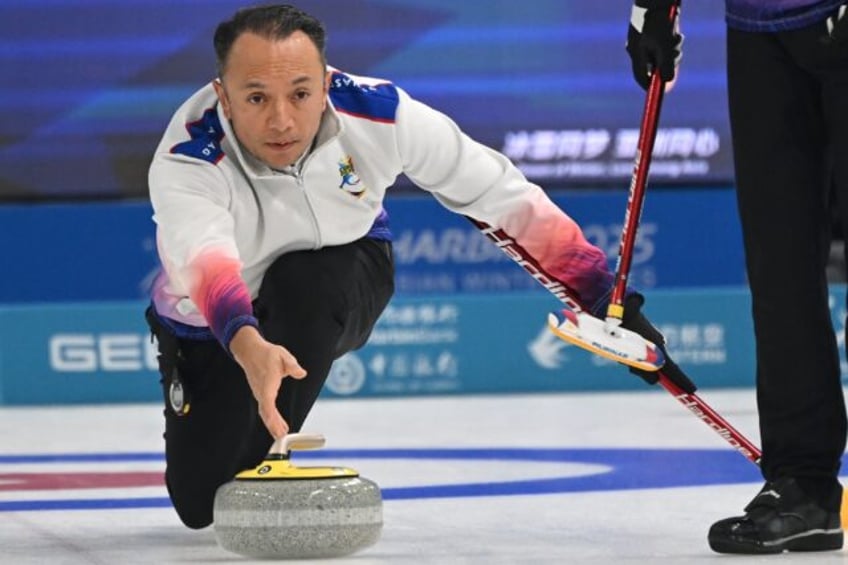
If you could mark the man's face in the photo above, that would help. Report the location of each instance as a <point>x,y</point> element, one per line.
<point>274,92</point>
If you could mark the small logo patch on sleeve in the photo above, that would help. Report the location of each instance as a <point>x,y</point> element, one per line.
<point>205,138</point>
<point>377,103</point>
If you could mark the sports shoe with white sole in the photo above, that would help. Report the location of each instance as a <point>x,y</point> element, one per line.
<point>780,518</point>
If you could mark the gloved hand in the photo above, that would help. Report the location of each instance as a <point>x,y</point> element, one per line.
<point>837,26</point>
<point>654,41</point>
<point>635,321</point>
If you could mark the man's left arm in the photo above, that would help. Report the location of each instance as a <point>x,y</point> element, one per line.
<point>484,185</point>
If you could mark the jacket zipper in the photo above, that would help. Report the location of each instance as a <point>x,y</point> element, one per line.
<point>298,176</point>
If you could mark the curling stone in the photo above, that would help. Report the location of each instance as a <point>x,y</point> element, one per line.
<point>280,511</point>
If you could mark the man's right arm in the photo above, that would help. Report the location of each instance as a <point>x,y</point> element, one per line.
<point>196,241</point>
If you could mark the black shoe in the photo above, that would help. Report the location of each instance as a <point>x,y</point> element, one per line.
<point>780,518</point>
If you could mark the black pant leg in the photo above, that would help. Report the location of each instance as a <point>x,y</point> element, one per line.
<point>205,447</point>
<point>779,142</point>
<point>319,305</point>
<point>833,74</point>
<point>835,100</point>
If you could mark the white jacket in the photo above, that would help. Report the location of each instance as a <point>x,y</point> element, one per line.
<point>212,198</point>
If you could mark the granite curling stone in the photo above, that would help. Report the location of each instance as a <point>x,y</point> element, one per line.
<point>280,511</point>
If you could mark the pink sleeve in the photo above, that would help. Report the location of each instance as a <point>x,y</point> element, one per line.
<point>220,294</point>
<point>551,247</point>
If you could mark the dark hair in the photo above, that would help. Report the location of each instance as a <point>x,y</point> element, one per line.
<point>276,21</point>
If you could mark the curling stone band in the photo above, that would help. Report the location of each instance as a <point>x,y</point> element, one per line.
<point>235,518</point>
<point>279,510</point>
<point>283,469</point>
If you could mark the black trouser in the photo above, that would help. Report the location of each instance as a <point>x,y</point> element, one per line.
<point>317,304</point>
<point>788,96</point>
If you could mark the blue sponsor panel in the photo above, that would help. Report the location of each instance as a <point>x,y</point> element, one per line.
<point>686,238</point>
<point>79,353</point>
<point>107,251</point>
<point>441,344</point>
<point>73,252</point>
<point>501,343</point>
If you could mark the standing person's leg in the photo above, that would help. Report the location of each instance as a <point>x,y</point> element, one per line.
<point>779,140</point>
<point>835,96</point>
<point>834,79</point>
<point>779,146</point>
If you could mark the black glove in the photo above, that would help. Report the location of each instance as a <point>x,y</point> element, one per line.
<point>635,321</point>
<point>837,26</point>
<point>653,40</point>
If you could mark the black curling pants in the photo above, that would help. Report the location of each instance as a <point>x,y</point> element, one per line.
<point>319,305</point>
<point>788,96</point>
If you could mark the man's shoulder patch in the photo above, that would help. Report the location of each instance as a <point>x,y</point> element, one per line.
<point>205,137</point>
<point>375,102</point>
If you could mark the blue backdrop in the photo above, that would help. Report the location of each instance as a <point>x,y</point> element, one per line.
<point>441,344</point>
<point>106,251</point>
<point>88,86</point>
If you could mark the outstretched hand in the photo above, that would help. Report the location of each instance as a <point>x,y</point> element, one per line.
<point>265,366</point>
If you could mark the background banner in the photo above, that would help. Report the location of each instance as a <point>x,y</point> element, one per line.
<point>106,251</point>
<point>686,238</point>
<point>439,344</point>
<point>88,87</point>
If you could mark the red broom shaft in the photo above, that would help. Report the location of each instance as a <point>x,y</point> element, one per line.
<point>636,198</point>
<point>711,418</point>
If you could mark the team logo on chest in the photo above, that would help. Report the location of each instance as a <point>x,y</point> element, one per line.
<point>351,183</point>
